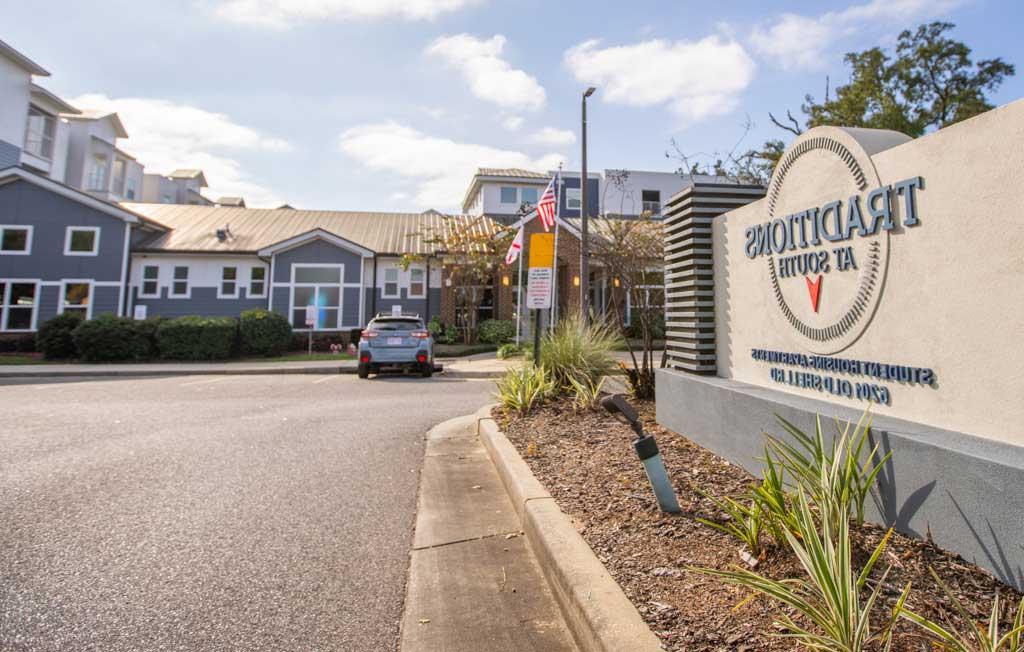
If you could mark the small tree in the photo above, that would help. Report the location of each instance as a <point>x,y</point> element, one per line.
<point>472,250</point>
<point>632,254</point>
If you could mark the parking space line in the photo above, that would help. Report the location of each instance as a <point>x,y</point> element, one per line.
<point>205,381</point>
<point>326,378</point>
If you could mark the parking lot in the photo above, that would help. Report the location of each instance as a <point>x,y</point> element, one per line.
<point>212,512</point>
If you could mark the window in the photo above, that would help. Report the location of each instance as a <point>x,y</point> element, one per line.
<point>150,281</point>
<point>258,282</point>
<point>417,286</point>
<point>529,196</point>
<point>40,133</point>
<point>119,172</point>
<point>129,189</point>
<point>508,195</point>
<point>573,198</point>
<point>167,199</point>
<point>179,288</point>
<point>18,305</point>
<point>15,240</point>
<point>652,202</point>
<point>98,173</point>
<point>320,286</point>
<point>81,241</point>
<point>75,297</point>
<point>228,283</point>
<point>391,283</point>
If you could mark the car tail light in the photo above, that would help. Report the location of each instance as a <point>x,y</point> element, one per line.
<point>369,334</point>
<point>421,358</point>
<point>364,358</point>
<point>421,334</point>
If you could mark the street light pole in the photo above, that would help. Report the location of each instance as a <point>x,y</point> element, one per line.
<point>584,214</point>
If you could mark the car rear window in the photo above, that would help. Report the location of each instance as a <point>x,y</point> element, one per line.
<point>396,324</point>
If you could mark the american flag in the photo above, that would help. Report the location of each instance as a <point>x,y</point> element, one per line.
<point>546,205</point>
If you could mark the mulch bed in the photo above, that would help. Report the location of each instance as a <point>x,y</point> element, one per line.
<point>586,462</point>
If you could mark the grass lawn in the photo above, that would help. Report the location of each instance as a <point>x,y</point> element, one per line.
<point>317,356</point>
<point>459,350</point>
<point>22,359</point>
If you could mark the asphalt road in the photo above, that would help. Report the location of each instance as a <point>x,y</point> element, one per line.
<point>212,513</point>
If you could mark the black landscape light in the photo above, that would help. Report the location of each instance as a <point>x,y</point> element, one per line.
<point>647,450</point>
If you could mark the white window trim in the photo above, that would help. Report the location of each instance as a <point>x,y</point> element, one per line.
<point>220,283</point>
<point>142,283</point>
<point>341,295</point>
<point>5,300</point>
<point>95,243</point>
<point>425,280</point>
<point>266,283</point>
<point>188,284</point>
<point>64,282</point>
<point>28,239</point>
<point>385,281</point>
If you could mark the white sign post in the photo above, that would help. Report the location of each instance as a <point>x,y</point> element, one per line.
<point>311,317</point>
<point>538,289</point>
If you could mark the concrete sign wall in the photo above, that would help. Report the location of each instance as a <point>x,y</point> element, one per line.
<point>886,272</point>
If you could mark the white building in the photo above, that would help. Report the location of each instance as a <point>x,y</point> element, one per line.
<point>178,187</point>
<point>500,192</point>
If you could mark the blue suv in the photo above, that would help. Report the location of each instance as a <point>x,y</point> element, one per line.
<point>396,342</point>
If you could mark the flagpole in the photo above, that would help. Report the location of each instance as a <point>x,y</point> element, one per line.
<point>519,292</point>
<point>554,275</point>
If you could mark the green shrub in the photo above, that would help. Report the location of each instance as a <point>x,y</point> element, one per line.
<point>436,327</point>
<point>147,329</point>
<point>54,338</point>
<point>18,343</point>
<point>262,332</point>
<point>496,331</point>
<point>524,387</point>
<point>506,351</point>
<point>110,339</point>
<point>198,338</point>
<point>583,352</point>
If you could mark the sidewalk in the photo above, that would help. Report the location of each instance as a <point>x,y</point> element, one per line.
<point>474,583</point>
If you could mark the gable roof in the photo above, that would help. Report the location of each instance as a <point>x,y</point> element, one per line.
<point>194,228</point>
<point>12,174</point>
<point>59,104</point>
<point>188,173</point>
<point>315,234</point>
<point>98,114</point>
<point>22,61</point>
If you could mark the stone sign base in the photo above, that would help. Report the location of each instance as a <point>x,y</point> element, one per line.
<point>964,492</point>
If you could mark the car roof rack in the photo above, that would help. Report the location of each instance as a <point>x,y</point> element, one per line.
<point>404,315</point>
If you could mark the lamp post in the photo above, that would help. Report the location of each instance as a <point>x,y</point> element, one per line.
<point>584,214</point>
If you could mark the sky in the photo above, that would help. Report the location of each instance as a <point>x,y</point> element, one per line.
<point>391,105</point>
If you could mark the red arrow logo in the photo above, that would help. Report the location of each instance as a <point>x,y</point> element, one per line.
<point>814,289</point>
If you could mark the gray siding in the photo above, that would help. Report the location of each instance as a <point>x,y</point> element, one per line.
<point>316,252</point>
<point>204,302</point>
<point>350,308</point>
<point>49,295</point>
<point>49,214</point>
<point>9,154</point>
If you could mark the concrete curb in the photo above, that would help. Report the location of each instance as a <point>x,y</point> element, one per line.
<point>172,371</point>
<point>596,610</point>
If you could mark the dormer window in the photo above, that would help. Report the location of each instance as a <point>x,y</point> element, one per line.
<point>508,195</point>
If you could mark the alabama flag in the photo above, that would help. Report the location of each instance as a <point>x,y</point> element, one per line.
<point>515,248</point>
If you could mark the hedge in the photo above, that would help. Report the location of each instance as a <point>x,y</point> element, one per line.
<point>110,339</point>
<point>496,331</point>
<point>262,332</point>
<point>198,338</point>
<point>54,338</point>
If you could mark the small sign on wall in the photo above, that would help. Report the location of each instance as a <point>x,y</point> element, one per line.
<point>311,315</point>
<point>396,310</point>
<point>139,312</point>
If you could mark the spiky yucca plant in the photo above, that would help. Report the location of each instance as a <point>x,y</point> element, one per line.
<point>829,597</point>
<point>578,350</point>
<point>521,388</point>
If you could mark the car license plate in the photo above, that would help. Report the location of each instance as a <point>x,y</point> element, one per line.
<point>395,341</point>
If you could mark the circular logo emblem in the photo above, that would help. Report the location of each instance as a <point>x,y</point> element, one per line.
<point>826,241</point>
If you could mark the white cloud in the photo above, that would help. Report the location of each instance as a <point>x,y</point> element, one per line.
<point>794,41</point>
<point>512,123</point>
<point>490,77</point>
<point>439,169</point>
<point>164,136</point>
<point>285,13</point>
<point>696,79</point>
<point>553,137</point>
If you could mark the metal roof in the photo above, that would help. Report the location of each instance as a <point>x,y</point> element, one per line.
<point>194,228</point>
<point>511,172</point>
